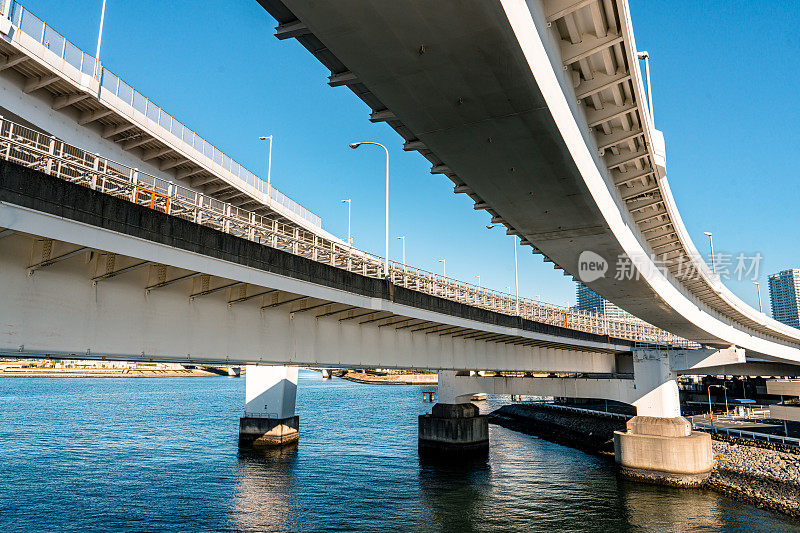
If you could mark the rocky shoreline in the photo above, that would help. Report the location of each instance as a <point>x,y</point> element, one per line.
<point>760,475</point>
<point>769,479</point>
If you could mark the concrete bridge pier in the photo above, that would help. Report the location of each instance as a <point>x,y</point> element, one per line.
<point>659,445</point>
<point>269,418</point>
<point>455,428</point>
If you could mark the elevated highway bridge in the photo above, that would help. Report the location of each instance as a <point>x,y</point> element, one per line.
<point>537,111</point>
<point>126,235</point>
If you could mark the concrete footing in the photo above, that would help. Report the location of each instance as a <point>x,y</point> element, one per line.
<point>664,451</point>
<point>268,432</point>
<point>454,430</point>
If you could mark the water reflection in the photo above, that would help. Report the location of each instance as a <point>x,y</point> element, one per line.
<point>265,492</point>
<point>452,493</point>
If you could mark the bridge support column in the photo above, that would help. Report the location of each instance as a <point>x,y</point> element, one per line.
<point>269,418</point>
<point>454,428</point>
<point>659,445</point>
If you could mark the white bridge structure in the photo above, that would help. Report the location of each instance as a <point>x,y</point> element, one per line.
<point>126,235</point>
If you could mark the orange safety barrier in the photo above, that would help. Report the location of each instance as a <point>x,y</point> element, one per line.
<point>153,197</point>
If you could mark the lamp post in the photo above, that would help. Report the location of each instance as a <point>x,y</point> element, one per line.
<point>269,163</point>
<point>99,37</point>
<point>711,242</point>
<point>644,55</point>
<point>444,267</point>
<point>386,243</point>
<point>758,290</point>
<point>479,279</point>
<point>349,203</point>
<point>403,238</point>
<point>710,411</point>
<point>516,270</point>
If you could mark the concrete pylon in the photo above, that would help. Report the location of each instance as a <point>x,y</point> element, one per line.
<point>269,418</point>
<point>659,445</point>
<point>455,428</point>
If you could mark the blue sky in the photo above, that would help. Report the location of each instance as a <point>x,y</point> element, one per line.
<point>724,77</point>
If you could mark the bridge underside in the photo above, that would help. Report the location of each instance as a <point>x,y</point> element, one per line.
<point>88,275</point>
<point>481,90</point>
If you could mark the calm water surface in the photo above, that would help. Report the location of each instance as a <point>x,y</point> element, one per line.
<point>160,454</point>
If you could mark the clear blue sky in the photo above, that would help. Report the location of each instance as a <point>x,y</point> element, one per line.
<point>725,79</point>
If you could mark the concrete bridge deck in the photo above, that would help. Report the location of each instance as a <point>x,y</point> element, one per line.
<point>109,277</point>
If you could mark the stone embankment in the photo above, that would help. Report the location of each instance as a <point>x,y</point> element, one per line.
<point>587,432</point>
<point>765,475</point>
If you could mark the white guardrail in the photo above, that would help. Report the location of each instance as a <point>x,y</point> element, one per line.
<point>581,411</point>
<point>48,154</point>
<point>40,40</point>
<point>750,435</point>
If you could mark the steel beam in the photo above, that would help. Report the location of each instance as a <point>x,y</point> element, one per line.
<point>111,274</point>
<point>246,298</point>
<point>291,300</point>
<point>215,289</point>
<point>171,281</point>
<point>40,83</point>
<point>54,260</point>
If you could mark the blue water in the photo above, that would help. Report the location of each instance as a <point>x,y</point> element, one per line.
<point>160,454</point>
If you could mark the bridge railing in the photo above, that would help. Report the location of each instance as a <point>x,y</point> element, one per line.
<point>40,40</point>
<point>750,435</point>
<point>48,154</point>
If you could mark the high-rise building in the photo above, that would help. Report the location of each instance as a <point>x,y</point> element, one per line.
<point>591,302</point>
<point>784,295</point>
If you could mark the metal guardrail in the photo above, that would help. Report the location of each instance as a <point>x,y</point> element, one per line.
<point>593,412</point>
<point>750,435</point>
<point>48,154</point>
<point>61,55</point>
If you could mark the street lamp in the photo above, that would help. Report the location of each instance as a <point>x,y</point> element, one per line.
<point>644,55</point>
<point>516,270</point>
<point>479,279</point>
<point>269,163</point>
<point>711,242</point>
<point>386,243</point>
<point>710,411</point>
<point>99,38</point>
<point>349,204</point>
<point>444,267</point>
<point>403,238</point>
<point>758,289</point>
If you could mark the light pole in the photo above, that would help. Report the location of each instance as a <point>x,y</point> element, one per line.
<point>710,411</point>
<point>349,204</point>
<point>711,242</point>
<point>758,289</point>
<point>99,38</point>
<point>386,243</point>
<point>444,267</point>
<point>479,279</point>
<point>403,238</point>
<point>516,270</point>
<point>269,163</point>
<point>644,55</point>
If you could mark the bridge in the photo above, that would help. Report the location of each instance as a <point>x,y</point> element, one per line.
<point>126,235</point>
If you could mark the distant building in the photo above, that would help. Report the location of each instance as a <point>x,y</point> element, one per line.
<point>591,302</point>
<point>784,295</point>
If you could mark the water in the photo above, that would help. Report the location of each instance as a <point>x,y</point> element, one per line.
<point>161,454</point>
